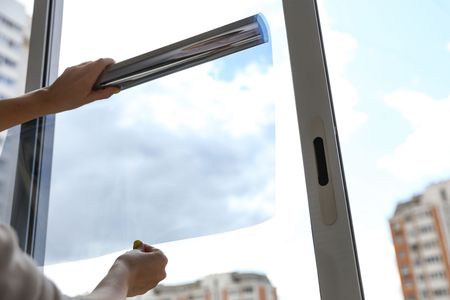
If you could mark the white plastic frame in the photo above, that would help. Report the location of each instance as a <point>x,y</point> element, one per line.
<point>335,250</point>
<point>334,245</point>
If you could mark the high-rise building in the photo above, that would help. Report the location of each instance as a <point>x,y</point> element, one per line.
<point>225,286</point>
<point>420,231</point>
<point>14,44</point>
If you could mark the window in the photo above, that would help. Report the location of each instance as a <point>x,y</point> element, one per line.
<point>6,80</point>
<point>443,193</point>
<point>408,284</point>
<point>405,271</point>
<point>379,136</point>
<point>198,144</point>
<point>428,228</point>
<point>440,292</point>
<point>7,61</point>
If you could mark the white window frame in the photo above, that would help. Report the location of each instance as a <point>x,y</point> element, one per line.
<point>334,244</point>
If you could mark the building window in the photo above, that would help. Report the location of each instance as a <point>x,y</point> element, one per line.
<point>405,271</point>
<point>6,80</point>
<point>440,292</point>
<point>8,42</point>
<point>443,193</point>
<point>9,23</point>
<point>430,244</point>
<point>433,259</point>
<point>439,274</point>
<point>7,61</point>
<point>408,284</point>
<point>396,227</point>
<point>427,228</point>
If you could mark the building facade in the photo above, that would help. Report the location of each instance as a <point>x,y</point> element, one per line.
<point>14,44</point>
<point>420,232</point>
<point>226,286</point>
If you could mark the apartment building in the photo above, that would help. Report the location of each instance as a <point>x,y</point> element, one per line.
<point>420,231</point>
<point>14,44</point>
<point>225,286</point>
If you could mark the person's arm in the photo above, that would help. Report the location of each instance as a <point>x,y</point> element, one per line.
<point>71,90</point>
<point>133,273</point>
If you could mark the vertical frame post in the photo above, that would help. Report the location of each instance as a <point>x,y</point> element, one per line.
<point>331,222</point>
<point>32,186</point>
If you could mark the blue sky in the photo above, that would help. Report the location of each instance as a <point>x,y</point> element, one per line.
<point>408,38</point>
<point>400,45</point>
<point>399,68</point>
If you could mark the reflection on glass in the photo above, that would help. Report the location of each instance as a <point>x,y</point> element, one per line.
<point>14,39</point>
<point>391,97</point>
<point>228,39</point>
<point>189,153</point>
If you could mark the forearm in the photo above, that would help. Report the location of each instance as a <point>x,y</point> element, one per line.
<point>114,286</point>
<point>22,109</point>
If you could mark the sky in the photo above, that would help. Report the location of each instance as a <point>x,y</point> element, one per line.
<point>388,64</point>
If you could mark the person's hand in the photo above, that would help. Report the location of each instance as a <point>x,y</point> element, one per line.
<point>146,268</point>
<point>74,87</point>
<point>133,273</point>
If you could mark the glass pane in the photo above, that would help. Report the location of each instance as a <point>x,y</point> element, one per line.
<point>389,70</point>
<point>15,25</point>
<point>189,154</point>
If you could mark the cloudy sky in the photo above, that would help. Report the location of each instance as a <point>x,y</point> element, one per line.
<point>217,124</point>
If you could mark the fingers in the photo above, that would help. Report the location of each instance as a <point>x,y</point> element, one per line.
<point>100,64</point>
<point>93,69</point>
<point>103,93</point>
<point>148,248</point>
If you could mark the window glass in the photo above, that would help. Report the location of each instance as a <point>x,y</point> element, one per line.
<point>15,25</point>
<point>203,145</point>
<point>389,68</point>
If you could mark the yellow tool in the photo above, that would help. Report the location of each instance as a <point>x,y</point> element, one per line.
<point>137,244</point>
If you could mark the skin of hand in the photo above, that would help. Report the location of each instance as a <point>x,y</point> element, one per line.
<point>70,90</point>
<point>133,273</point>
<point>74,87</point>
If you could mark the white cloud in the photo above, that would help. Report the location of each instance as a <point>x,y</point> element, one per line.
<point>340,48</point>
<point>376,256</point>
<point>424,152</point>
<point>193,100</point>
